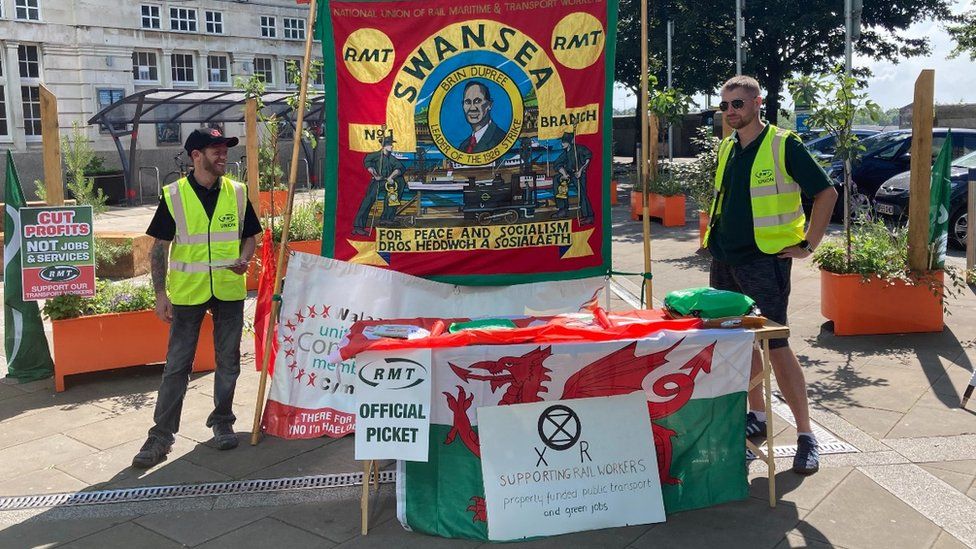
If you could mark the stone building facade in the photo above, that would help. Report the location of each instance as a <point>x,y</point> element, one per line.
<point>90,53</point>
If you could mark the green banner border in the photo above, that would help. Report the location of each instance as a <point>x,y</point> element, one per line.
<point>330,176</point>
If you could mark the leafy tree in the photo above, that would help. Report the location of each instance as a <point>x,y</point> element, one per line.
<point>783,38</point>
<point>964,33</point>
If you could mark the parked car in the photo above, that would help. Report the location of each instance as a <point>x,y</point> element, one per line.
<point>822,147</point>
<point>888,154</point>
<point>891,200</point>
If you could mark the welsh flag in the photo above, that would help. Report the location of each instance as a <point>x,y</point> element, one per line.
<point>25,345</point>
<point>695,382</point>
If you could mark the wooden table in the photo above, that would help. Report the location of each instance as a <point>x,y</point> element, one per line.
<point>770,331</point>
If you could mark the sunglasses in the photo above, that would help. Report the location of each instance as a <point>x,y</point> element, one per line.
<point>735,103</point>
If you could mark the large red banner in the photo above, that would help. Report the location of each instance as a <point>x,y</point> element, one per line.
<point>469,142</point>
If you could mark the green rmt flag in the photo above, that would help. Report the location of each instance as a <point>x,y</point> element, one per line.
<point>28,356</point>
<point>939,205</point>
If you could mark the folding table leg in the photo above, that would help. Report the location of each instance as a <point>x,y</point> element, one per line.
<point>768,391</point>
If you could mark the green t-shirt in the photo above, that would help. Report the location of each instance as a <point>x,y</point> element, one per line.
<point>732,239</point>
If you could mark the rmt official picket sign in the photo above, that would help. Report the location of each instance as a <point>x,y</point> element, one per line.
<point>393,408</point>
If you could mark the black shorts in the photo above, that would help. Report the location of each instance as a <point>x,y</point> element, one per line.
<point>766,280</point>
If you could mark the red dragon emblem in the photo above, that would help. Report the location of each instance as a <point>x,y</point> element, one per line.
<point>619,373</point>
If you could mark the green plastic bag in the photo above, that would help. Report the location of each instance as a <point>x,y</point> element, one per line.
<point>707,303</point>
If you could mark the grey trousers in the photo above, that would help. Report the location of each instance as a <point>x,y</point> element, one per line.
<point>184,331</point>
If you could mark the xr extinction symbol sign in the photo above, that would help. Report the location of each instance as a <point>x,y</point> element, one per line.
<point>560,429</point>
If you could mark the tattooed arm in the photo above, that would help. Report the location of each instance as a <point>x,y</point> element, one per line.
<point>158,258</point>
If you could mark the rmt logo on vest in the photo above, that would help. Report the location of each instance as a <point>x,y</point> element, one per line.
<point>227,221</point>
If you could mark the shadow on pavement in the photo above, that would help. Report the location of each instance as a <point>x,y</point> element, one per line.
<point>931,351</point>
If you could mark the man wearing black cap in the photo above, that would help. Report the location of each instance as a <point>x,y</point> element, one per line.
<point>204,229</point>
<point>571,165</point>
<point>387,170</point>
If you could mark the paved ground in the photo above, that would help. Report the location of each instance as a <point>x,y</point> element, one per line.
<point>912,484</point>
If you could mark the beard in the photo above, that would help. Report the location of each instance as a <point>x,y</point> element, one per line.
<point>743,120</point>
<point>213,168</point>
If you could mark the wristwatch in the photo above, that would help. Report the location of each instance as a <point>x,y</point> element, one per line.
<point>805,244</point>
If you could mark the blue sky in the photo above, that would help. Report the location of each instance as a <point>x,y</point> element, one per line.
<point>892,84</point>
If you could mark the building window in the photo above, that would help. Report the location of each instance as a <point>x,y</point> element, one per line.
<point>144,67</point>
<point>292,72</point>
<point>30,96</point>
<point>319,77</point>
<point>150,17</point>
<point>107,96</point>
<point>215,22</point>
<point>217,72</point>
<point>27,9</point>
<point>28,57</point>
<point>183,19</point>
<point>294,28</point>
<point>268,27</point>
<point>264,69</point>
<point>4,130</point>
<point>182,68</point>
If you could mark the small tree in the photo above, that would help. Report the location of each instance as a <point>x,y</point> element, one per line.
<point>269,170</point>
<point>669,106</point>
<point>838,100</point>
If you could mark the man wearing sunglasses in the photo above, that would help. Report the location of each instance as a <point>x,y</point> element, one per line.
<point>757,229</point>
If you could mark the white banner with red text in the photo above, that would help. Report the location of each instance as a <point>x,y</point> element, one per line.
<point>311,396</point>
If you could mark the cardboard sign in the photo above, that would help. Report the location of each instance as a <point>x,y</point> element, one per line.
<point>566,466</point>
<point>58,252</point>
<point>393,412</point>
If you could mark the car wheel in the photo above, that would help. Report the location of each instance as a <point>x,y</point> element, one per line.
<point>861,206</point>
<point>958,225</point>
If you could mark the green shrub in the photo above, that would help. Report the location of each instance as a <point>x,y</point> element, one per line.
<point>110,297</point>
<point>306,222</point>
<point>876,250</point>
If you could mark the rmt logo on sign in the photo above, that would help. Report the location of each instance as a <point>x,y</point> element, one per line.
<point>393,373</point>
<point>560,429</point>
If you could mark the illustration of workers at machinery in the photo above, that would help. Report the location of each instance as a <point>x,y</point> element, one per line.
<point>533,181</point>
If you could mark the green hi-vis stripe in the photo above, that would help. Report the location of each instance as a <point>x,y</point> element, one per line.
<point>708,456</point>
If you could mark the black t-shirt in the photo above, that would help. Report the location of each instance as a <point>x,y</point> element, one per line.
<point>163,226</point>
<point>732,239</point>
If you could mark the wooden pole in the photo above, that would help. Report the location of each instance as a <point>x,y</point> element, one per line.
<point>286,226</point>
<point>51,142</point>
<point>251,150</point>
<point>923,111</point>
<point>971,222</point>
<point>645,145</point>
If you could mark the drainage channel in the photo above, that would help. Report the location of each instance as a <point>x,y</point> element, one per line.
<point>154,493</point>
<point>827,443</point>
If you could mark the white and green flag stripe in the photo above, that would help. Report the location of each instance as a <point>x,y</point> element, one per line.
<point>25,345</point>
<point>695,382</point>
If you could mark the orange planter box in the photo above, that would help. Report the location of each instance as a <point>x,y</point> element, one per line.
<point>313,247</point>
<point>272,202</point>
<point>879,307</point>
<point>669,209</point>
<point>702,227</point>
<point>118,340</point>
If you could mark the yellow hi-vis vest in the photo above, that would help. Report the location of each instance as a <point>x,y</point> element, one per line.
<point>204,246</point>
<point>777,213</point>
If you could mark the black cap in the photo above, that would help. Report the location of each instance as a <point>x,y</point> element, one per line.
<point>202,138</point>
<point>388,140</point>
<point>567,137</point>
